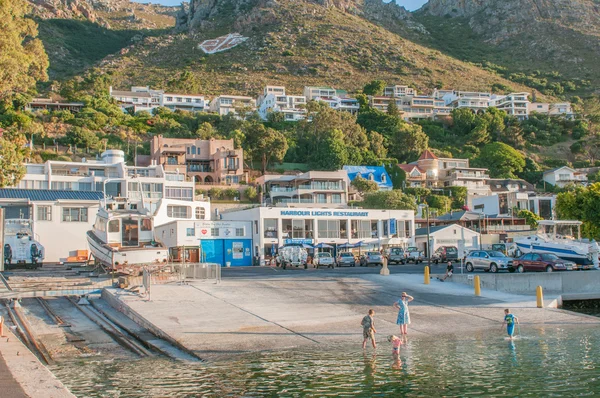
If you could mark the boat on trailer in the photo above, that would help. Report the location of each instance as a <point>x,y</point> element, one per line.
<point>122,238</point>
<point>562,238</point>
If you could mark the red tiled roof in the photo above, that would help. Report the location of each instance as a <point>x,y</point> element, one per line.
<point>427,155</point>
<point>410,167</point>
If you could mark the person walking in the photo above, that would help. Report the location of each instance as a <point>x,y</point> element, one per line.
<point>368,324</point>
<point>403,313</point>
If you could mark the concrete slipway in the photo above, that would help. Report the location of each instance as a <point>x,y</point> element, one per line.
<point>292,309</point>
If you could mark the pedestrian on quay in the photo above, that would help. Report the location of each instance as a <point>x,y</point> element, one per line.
<point>403,314</point>
<point>449,271</point>
<point>368,324</point>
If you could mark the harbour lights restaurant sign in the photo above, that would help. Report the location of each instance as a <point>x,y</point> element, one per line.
<point>323,213</point>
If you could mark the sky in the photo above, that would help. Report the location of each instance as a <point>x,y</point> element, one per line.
<point>410,5</point>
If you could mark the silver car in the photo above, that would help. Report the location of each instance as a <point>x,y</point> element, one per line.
<point>371,258</point>
<point>488,260</point>
<point>324,259</point>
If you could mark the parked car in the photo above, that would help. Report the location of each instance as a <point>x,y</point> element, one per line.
<point>444,254</point>
<point>324,259</point>
<point>414,254</point>
<point>547,262</point>
<point>346,258</point>
<point>371,258</point>
<point>397,255</point>
<point>488,260</point>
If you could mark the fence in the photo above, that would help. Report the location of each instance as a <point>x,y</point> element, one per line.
<point>199,271</point>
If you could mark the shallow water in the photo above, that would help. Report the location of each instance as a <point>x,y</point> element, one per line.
<point>541,362</point>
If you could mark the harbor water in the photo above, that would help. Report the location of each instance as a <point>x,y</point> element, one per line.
<point>557,360</point>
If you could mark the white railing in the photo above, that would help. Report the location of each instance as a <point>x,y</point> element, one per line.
<point>199,271</point>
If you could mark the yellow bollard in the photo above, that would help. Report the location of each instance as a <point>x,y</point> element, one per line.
<point>540,297</point>
<point>477,284</point>
<point>426,276</point>
<point>2,326</point>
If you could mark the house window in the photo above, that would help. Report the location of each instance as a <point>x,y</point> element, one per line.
<point>383,178</point>
<point>172,159</point>
<point>178,211</point>
<point>214,231</point>
<point>329,229</point>
<point>371,177</point>
<point>270,226</point>
<point>113,226</point>
<point>239,232</point>
<point>190,232</point>
<point>75,214</point>
<point>179,193</point>
<point>193,149</point>
<point>200,213</point>
<point>169,99</point>
<point>188,100</point>
<point>146,224</point>
<point>44,213</point>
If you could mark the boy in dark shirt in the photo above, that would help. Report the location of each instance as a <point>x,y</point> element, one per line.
<point>449,271</point>
<point>368,324</point>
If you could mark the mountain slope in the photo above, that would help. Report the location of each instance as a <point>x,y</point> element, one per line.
<point>561,38</point>
<point>293,43</point>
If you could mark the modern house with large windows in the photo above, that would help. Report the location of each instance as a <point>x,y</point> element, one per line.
<point>204,161</point>
<point>274,227</point>
<point>314,188</point>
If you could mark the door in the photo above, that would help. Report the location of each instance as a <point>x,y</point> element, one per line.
<point>484,260</point>
<point>536,263</point>
<point>129,234</point>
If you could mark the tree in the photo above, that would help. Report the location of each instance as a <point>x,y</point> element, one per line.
<point>363,185</point>
<point>82,138</point>
<point>331,154</point>
<point>440,202</point>
<point>407,142</point>
<point>23,60</point>
<point>377,144</point>
<point>265,144</point>
<point>375,87</point>
<point>392,108</point>
<point>206,131</point>
<point>502,160</point>
<point>251,194</point>
<point>12,155</point>
<point>530,218</point>
<point>397,175</point>
<point>392,200</point>
<point>581,204</point>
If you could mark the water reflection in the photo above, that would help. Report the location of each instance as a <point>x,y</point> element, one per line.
<point>556,362</point>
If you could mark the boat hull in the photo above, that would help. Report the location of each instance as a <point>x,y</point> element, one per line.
<point>561,251</point>
<point>123,259</point>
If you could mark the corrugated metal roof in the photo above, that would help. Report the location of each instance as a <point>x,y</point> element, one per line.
<point>48,195</point>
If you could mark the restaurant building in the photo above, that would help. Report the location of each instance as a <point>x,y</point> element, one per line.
<point>274,227</point>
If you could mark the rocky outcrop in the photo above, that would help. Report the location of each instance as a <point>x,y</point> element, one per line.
<point>499,19</point>
<point>199,14</point>
<point>64,9</point>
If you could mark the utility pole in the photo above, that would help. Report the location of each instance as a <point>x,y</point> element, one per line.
<point>428,242</point>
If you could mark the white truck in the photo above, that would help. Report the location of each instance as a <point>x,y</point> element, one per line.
<point>296,256</point>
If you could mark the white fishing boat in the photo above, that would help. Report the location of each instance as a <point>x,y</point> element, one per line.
<point>562,238</point>
<point>122,237</point>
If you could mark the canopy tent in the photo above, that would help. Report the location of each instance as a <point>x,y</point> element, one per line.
<point>323,246</point>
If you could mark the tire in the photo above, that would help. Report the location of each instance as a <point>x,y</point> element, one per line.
<point>520,269</point>
<point>549,269</point>
<point>284,266</point>
<point>493,268</point>
<point>306,266</point>
<point>469,267</point>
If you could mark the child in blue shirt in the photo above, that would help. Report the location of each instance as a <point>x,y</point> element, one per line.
<point>509,321</point>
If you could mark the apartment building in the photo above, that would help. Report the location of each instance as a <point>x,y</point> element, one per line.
<point>437,173</point>
<point>137,99</point>
<point>335,99</point>
<point>563,176</point>
<point>473,100</point>
<point>312,188</point>
<point>232,104</point>
<point>410,104</point>
<point>204,161</point>
<point>47,104</point>
<point>506,195</point>
<point>275,99</point>
<point>111,175</point>
<point>185,102</point>
<point>557,109</point>
<point>515,104</point>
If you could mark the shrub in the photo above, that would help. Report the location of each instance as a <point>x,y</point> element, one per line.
<point>230,193</point>
<point>251,194</point>
<point>215,193</point>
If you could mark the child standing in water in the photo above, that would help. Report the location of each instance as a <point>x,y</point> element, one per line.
<point>509,321</point>
<point>396,343</point>
<point>368,324</point>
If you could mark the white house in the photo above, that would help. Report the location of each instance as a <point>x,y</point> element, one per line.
<point>137,99</point>
<point>565,175</point>
<point>186,102</point>
<point>273,227</point>
<point>316,188</point>
<point>275,99</point>
<point>59,219</point>
<point>226,104</point>
<point>448,235</point>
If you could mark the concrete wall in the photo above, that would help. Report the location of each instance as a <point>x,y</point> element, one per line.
<point>555,282</point>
